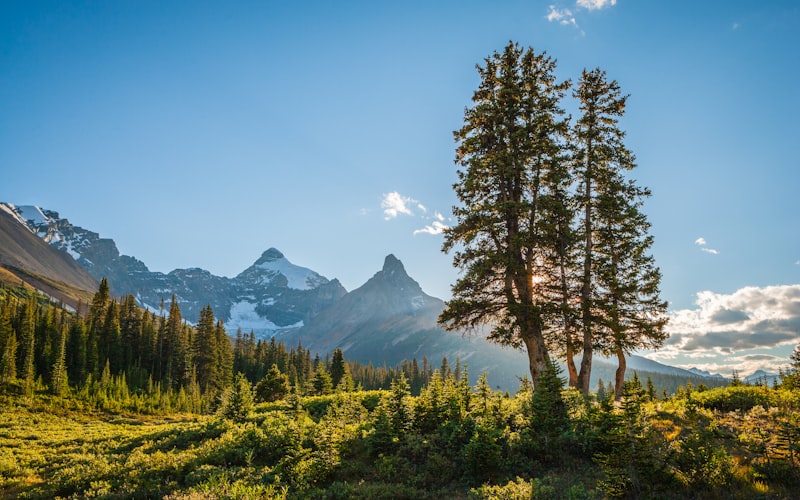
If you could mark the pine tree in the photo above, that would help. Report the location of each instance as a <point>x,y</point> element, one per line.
<point>237,400</point>
<point>225,361</point>
<point>59,381</point>
<point>8,345</point>
<point>337,368</point>
<point>205,350</point>
<point>549,417</point>
<point>511,148</point>
<point>321,384</point>
<point>620,307</point>
<point>273,387</point>
<point>76,351</point>
<point>26,353</point>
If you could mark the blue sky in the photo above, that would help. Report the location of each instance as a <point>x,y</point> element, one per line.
<point>199,135</point>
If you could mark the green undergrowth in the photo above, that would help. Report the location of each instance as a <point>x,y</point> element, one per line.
<point>452,441</point>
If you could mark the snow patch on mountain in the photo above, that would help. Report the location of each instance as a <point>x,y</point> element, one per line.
<point>11,210</point>
<point>244,316</point>
<point>299,278</point>
<point>34,214</point>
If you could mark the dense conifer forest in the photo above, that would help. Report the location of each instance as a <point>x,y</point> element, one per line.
<point>115,402</point>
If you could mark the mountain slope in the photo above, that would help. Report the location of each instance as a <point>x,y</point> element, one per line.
<point>40,265</point>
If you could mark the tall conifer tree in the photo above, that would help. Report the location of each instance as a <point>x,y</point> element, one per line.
<point>619,305</point>
<point>511,149</point>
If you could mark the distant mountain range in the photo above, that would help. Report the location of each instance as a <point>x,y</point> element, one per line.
<point>385,321</point>
<point>271,295</point>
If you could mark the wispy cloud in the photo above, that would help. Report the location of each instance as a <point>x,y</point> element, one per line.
<point>435,227</point>
<point>563,17</point>
<point>394,204</point>
<point>701,242</point>
<point>595,4</point>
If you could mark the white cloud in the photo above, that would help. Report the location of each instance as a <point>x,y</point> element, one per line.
<point>435,227</point>
<point>750,329</point>
<point>749,318</point>
<point>422,207</point>
<point>797,263</point>
<point>440,218</point>
<point>595,4</point>
<point>702,243</point>
<point>563,16</point>
<point>394,204</point>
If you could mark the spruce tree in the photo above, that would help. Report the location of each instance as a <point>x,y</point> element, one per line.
<point>8,345</point>
<point>337,368</point>
<point>27,339</point>
<point>205,350</point>
<point>273,387</point>
<point>59,381</point>
<point>224,371</point>
<point>619,305</point>
<point>511,149</point>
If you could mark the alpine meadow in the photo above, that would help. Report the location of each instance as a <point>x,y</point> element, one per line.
<point>619,312</point>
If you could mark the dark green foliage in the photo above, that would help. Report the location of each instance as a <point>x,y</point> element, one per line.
<point>548,415</point>
<point>237,400</point>
<point>630,460</point>
<point>321,384</point>
<point>337,369</point>
<point>511,153</point>
<point>273,387</point>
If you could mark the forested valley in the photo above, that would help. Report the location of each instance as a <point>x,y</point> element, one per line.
<point>118,402</point>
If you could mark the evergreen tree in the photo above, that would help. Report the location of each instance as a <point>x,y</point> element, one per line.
<point>321,384</point>
<point>76,351</point>
<point>96,319</point>
<point>110,341</point>
<point>620,307</point>
<point>205,350</point>
<point>8,345</point>
<point>59,381</point>
<point>337,368</point>
<point>237,400</point>
<point>273,387</point>
<point>133,344</point>
<point>511,148</point>
<point>225,361</point>
<point>26,369</point>
<point>549,419</point>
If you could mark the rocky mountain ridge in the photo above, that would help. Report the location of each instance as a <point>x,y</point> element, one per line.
<point>268,297</point>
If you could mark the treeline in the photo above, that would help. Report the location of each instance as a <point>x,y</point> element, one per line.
<point>116,355</point>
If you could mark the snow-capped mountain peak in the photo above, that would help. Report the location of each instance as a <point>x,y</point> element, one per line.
<point>272,263</point>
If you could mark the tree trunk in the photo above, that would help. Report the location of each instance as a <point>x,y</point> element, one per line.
<point>571,370</point>
<point>620,375</point>
<point>537,355</point>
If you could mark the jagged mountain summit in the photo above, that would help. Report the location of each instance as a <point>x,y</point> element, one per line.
<point>390,319</point>
<point>268,297</point>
